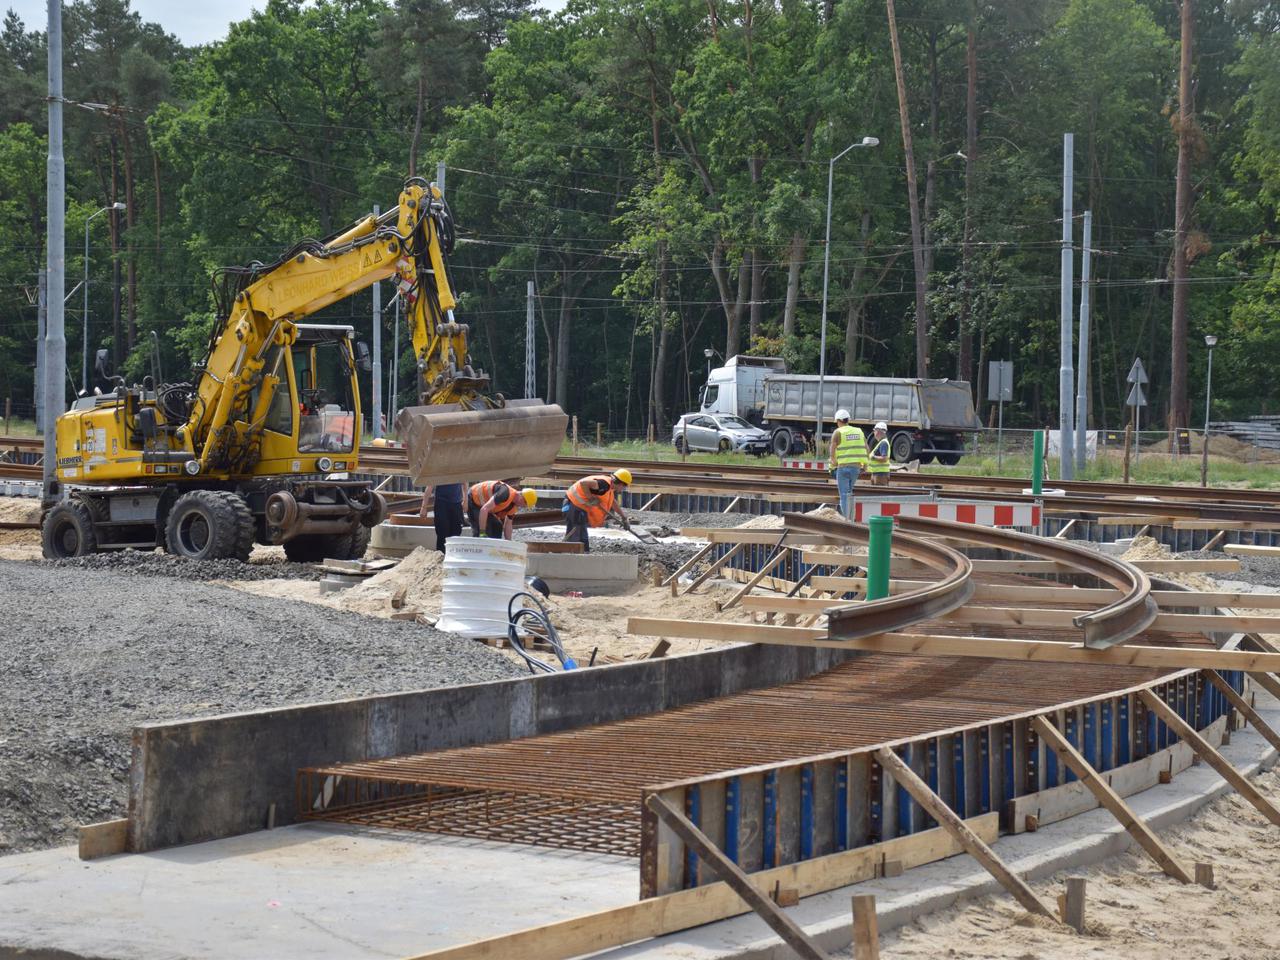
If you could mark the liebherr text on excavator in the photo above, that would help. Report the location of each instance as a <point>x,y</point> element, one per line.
<point>247,450</point>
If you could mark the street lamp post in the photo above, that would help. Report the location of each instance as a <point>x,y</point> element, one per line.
<point>826,272</point>
<point>84,319</point>
<point>1210,342</point>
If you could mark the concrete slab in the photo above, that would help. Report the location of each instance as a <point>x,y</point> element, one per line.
<point>1079,842</point>
<point>588,572</point>
<point>310,891</point>
<point>394,540</point>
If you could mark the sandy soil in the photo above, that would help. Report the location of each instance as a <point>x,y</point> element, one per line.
<point>1132,910</point>
<point>19,544</point>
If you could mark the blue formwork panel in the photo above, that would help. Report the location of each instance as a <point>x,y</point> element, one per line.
<point>960,806</point>
<point>770,826</point>
<point>732,817</point>
<point>1007,761</point>
<point>1091,735</point>
<point>693,810</point>
<point>1073,739</point>
<point>905,803</point>
<point>1122,732</point>
<point>806,812</point>
<point>1106,731</point>
<point>842,806</point>
<point>1051,769</point>
<point>984,766</point>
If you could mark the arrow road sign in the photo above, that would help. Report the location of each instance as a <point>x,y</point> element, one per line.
<point>1136,397</point>
<point>1137,374</point>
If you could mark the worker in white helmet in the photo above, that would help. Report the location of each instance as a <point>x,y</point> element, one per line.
<point>878,456</point>
<point>848,459</point>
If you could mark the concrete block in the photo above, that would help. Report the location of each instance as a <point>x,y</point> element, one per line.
<point>394,540</point>
<point>588,572</point>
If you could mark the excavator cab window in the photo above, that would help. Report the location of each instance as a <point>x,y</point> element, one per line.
<point>326,417</point>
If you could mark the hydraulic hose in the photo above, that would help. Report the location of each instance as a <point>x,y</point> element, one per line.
<point>540,618</point>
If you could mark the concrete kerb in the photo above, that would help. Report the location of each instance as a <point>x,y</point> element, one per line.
<point>198,780</point>
<point>1078,842</point>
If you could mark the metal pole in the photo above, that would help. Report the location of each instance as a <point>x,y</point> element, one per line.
<point>395,366</point>
<point>1082,377</point>
<point>1000,434</point>
<point>42,317</point>
<point>440,176</point>
<point>375,387</point>
<point>1204,454</point>
<point>55,352</point>
<point>530,345</point>
<point>1066,375</point>
<point>84,316</point>
<point>822,346</point>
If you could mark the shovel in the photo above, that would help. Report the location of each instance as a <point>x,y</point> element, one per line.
<point>642,534</point>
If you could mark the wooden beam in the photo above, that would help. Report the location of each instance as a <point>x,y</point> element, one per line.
<point>1044,651</point>
<point>866,928</point>
<point>1164,565</point>
<point>1073,904</point>
<point>972,843</point>
<point>1246,711</point>
<point>103,839</point>
<point>1265,680</point>
<point>684,909</point>
<point>689,564</point>
<point>1211,756</point>
<point>779,554</point>
<point>1217,539</point>
<point>777,584</point>
<point>1251,550</point>
<point>710,571</point>
<point>1062,534</point>
<point>1137,828</point>
<point>728,871</point>
<point>756,535</point>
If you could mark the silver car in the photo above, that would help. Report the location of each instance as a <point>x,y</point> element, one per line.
<point>719,431</point>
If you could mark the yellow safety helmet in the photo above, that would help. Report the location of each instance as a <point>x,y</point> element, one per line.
<point>624,475</point>
<point>530,496</point>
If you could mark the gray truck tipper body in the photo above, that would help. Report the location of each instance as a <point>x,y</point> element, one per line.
<point>927,419</point>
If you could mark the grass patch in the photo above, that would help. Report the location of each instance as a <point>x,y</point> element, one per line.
<point>17,427</point>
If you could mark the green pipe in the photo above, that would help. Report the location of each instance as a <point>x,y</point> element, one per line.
<point>1037,464</point>
<point>878,557</point>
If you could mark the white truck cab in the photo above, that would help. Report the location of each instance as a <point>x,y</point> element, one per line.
<point>738,387</point>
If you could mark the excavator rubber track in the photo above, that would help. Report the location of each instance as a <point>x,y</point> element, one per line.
<point>447,443</point>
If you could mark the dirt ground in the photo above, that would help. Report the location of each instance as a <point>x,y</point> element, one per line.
<point>1132,910</point>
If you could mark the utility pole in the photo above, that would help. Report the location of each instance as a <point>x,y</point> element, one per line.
<point>375,387</point>
<point>530,351</point>
<point>1082,378</point>
<point>1066,376</point>
<point>440,176</point>
<point>55,348</point>
<point>1179,407</point>
<point>395,366</point>
<point>42,318</point>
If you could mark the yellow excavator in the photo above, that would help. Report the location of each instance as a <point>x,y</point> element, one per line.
<point>259,446</point>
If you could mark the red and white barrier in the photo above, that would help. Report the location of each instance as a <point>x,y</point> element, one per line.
<point>805,464</point>
<point>986,514</point>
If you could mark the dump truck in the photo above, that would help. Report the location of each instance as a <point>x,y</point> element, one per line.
<point>258,445</point>
<point>927,419</point>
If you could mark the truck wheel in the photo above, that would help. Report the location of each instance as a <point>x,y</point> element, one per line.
<point>900,446</point>
<point>950,459</point>
<point>210,525</point>
<point>781,441</point>
<point>314,547</point>
<point>68,531</point>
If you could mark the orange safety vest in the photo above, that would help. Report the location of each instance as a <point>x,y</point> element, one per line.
<point>508,506</point>
<point>596,505</point>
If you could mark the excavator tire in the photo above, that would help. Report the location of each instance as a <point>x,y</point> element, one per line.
<point>68,531</point>
<point>314,547</point>
<point>210,525</point>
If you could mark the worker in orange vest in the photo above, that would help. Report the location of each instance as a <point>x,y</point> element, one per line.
<point>589,503</point>
<point>492,506</point>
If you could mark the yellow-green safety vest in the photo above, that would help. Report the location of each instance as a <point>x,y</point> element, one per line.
<point>852,449</point>
<point>879,449</point>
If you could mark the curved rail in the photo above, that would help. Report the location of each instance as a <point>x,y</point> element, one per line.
<point>867,618</point>
<point>1104,627</point>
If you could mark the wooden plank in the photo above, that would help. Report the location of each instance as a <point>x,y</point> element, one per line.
<point>716,901</point>
<point>779,554</point>
<point>756,535</point>
<point>1137,520</point>
<point>1137,828</point>
<point>1165,565</point>
<point>1245,710</point>
<point>1212,757</point>
<point>1251,550</point>
<point>866,928</point>
<point>104,839</point>
<point>769,583</point>
<point>711,570</point>
<point>1073,908</point>
<point>777,919</point>
<point>1062,534</point>
<point>972,843</point>
<point>716,630</point>
<point>1054,804</point>
<point>689,564</point>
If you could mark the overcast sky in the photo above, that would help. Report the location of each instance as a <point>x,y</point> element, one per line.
<point>193,22</point>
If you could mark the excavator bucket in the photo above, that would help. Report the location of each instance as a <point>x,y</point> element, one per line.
<point>450,444</point>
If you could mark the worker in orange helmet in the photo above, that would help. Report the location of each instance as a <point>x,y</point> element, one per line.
<point>492,506</point>
<point>589,502</point>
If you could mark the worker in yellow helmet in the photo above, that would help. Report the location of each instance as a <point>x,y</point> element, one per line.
<point>589,502</point>
<point>848,459</point>
<point>879,456</point>
<point>492,506</point>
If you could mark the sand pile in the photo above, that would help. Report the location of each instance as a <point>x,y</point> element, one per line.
<point>20,510</point>
<point>766,521</point>
<point>1148,548</point>
<point>420,575</point>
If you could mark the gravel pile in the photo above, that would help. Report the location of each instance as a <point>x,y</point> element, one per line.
<point>1263,571</point>
<point>86,654</point>
<point>668,555</point>
<point>157,564</point>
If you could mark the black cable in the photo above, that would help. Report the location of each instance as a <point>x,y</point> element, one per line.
<point>539,616</point>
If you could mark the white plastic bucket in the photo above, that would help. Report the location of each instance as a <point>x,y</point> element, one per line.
<point>481,575</point>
